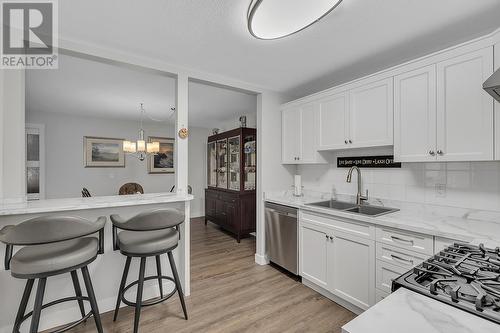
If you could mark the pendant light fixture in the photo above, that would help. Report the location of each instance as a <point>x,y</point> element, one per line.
<point>274,19</point>
<point>141,148</point>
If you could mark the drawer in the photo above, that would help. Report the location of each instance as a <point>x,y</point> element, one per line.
<point>406,240</point>
<point>352,227</point>
<point>399,257</point>
<point>385,273</point>
<point>380,295</point>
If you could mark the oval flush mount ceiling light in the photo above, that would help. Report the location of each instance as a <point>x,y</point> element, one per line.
<point>273,19</point>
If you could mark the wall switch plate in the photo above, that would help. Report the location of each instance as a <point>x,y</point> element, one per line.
<point>440,190</point>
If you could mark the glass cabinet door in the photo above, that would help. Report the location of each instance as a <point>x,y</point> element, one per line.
<point>212,164</point>
<point>222,163</point>
<point>250,160</point>
<point>234,163</point>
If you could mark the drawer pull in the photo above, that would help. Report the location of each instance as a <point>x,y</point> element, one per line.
<point>402,240</point>
<point>402,259</point>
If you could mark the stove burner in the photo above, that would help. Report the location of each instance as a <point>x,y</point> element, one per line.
<point>462,275</point>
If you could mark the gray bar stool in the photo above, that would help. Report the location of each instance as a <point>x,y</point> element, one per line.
<point>148,234</point>
<point>53,245</point>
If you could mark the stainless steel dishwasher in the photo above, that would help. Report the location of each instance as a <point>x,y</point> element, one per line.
<point>281,236</point>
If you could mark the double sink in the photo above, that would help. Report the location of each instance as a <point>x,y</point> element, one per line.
<point>350,207</point>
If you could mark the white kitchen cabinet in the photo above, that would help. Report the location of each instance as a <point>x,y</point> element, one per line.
<point>464,109</point>
<point>351,269</point>
<point>313,250</point>
<point>299,143</point>
<point>415,115</point>
<point>334,122</point>
<point>371,113</point>
<point>290,120</point>
<point>339,262</point>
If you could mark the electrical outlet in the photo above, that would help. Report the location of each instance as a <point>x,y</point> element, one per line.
<point>440,190</point>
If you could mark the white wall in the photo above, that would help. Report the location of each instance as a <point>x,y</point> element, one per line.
<point>66,175</point>
<point>13,175</point>
<point>234,122</point>
<point>468,184</point>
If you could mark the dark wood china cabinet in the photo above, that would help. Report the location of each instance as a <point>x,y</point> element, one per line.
<point>230,199</point>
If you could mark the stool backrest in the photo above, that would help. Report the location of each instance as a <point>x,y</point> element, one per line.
<point>151,220</point>
<point>49,229</point>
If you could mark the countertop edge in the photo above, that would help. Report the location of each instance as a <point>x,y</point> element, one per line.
<point>61,205</point>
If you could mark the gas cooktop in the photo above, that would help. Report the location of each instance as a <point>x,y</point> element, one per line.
<point>465,276</point>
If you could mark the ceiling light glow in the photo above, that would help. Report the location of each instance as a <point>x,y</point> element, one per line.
<point>273,19</point>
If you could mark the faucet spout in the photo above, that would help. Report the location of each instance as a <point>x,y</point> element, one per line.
<point>359,197</point>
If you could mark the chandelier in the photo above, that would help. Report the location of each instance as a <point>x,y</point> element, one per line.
<point>141,148</point>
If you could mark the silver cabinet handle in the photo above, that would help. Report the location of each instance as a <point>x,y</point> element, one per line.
<point>397,239</point>
<point>440,152</point>
<point>432,153</point>
<point>345,141</point>
<point>326,237</point>
<point>401,259</point>
<point>350,141</point>
<point>331,238</point>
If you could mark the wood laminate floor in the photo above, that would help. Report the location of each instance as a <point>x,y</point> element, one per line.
<point>230,293</point>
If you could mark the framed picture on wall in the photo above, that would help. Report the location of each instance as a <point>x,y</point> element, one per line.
<point>163,162</point>
<point>103,152</point>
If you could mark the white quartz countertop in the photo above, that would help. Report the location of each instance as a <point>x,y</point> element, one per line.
<point>59,205</point>
<point>449,222</point>
<point>410,312</point>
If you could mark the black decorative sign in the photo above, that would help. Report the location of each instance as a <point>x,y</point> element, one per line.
<point>385,161</point>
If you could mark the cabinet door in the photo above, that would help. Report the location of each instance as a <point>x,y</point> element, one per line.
<point>220,211</point>
<point>371,111</point>
<point>351,265</point>
<point>333,122</point>
<point>210,204</point>
<point>308,133</point>
<point>290,142</point>
<point>313,255</point>
<point>464,109</point>
<point>415,115</point>
<point>232,216</point>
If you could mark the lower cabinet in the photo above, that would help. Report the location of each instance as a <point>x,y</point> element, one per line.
<point>339,262</point>
<point>235,212</point>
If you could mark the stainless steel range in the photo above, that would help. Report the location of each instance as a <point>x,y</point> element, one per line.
<point>464,276</point>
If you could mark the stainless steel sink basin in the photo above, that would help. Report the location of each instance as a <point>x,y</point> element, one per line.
<point>350,207</point>
<point>334,204</point>
<point>371,210</point>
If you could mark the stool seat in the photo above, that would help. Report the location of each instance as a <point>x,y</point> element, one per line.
<point>147,242</point>
<point>54,258</point>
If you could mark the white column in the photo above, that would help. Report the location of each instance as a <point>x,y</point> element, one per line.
<point>271,174</point>
<point>181,174</point>
<point>12,133</point>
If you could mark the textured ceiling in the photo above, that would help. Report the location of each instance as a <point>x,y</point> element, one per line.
<point>86,87</point>
<point>359,37</point>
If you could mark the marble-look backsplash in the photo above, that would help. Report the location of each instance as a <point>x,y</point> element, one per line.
<point>473,185</point>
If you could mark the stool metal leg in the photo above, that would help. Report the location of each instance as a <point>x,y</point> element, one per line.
<point>37,309</point>
<point>140,286</point>
<point>93,302</point>
<point>122,285</point>
<point>177,282</point>
<point>24,302</point>
<point>78,291</point>
<point>158,270</point>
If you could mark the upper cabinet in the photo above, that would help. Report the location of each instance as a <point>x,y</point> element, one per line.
<point>299,135</point>
<point>357,118</point>
<point>371,115</point>
<point>464,109</point>
<point>442,113</point>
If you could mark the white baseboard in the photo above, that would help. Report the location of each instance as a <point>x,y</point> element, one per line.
<point>261,259</point>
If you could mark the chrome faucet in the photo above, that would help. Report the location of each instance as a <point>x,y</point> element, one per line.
<point>359,197</point>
